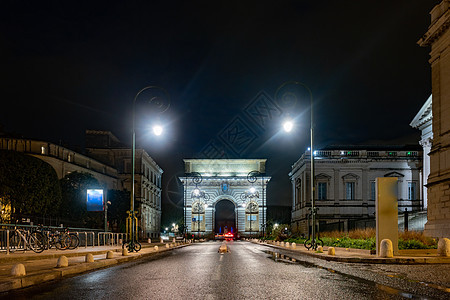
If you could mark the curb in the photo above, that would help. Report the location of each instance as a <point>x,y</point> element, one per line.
<point>375,260</point>
<point>38,277</point>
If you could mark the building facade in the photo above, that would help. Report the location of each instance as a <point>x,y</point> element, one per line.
<point>345,185</point>
<point>438,38</point>
<point>64,160</point>
<point>212,185</point>
<point>423,122</point>
<point>105,147</point>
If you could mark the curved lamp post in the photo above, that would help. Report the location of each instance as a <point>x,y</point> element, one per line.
<point>198,195</point>
<point>288,126</point>
<point>252,194</point>
<point>133,244</point>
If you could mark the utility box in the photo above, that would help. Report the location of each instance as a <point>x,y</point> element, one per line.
<point>386,211</point>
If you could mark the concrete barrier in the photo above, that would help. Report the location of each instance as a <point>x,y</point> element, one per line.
<point>62,262</point>
<point>443,247</point>
<point>386,248</point>
<point>109,255</point>
<point>223,248</point>
<point>331,251</point>
<point>18,270</point>
<point>89,258</point>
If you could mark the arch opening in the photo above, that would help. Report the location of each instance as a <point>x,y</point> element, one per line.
<point>225,217</point>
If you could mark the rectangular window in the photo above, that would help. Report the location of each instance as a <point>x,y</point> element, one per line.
<point>349,190</point>
<point>251,217</point>
<point>372,190</point>
<point>322,191</point>
<point>411,191</point>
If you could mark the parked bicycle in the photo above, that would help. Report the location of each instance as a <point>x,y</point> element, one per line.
<point>22,239</point>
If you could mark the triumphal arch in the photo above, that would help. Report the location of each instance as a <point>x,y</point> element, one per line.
<point>225,196</point>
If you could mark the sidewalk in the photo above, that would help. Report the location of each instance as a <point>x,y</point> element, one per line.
<point>41,267</point>
<point>349,255</point>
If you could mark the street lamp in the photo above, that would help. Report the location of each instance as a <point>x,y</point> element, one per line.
<point>198,195</point>
<point>107,203</point>
<point>133,244</point>
<point>252,194</point>
<point>288,126</point>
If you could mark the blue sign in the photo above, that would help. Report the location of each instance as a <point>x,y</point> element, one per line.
<point>94,200</point>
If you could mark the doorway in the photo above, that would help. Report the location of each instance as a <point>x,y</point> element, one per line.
<point>225,217</point>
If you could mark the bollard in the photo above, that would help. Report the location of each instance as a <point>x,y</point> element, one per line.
<point>62,262</point>
<point>443,247</point>
<point>149,240</point>
<point>331,251</point>
<point>386,248</point>
<point>109,255</point>
<point>89,258</point>
<point>120,241</point>
<point>320,249</point>
<point>223,248</point>
<point>18,270</point>
<point>167,246</point>
<point>161,240</point>
<point>293,245</point>
<point>155,248</point>
<point>282,244</point>
<point>124,252</point>
<point>287,245</point>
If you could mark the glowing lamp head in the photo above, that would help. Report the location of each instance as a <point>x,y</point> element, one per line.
<point>288,125</point>
<point>157,130</point>
<point>196,192</point>
<point>252,190</point>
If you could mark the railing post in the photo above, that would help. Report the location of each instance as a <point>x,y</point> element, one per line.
<point>7,241</point>
<point>85,239</point>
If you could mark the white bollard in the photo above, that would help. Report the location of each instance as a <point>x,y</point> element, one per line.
<point>149,240</point>
<point>18,270</point>
<point>282,244</point>
<point>109,255</point>
<point>331,251</point>
<point>62,262</point>
<point>287,245</point>
<point>155,248</point>
<point>443,247</point>
<point>124,251</point>
<point>386,248</point>
<point>89,258</point>
<point>293,245</point>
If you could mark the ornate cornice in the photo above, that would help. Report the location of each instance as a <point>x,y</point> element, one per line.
<point>424,115</point>
<point>440,18</point>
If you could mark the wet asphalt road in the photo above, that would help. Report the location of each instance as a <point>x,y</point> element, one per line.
<point>247,272</point>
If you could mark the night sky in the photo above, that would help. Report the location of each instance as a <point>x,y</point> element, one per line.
<point>68,66</point>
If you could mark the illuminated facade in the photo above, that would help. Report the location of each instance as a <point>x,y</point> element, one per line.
<point>240,182</point>
<point>105,147</point>
<point>438,38</point>
<point>345,185</point>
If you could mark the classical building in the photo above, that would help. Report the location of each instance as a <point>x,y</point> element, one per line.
<point>225,195</point>
<point>345,184</point>
<point>423,122</point>
<point>438,37</point>
<point>64,160</point>
<point>105,147</point>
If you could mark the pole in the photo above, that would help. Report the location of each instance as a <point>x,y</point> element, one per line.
<point>313,209</point>
<point>106,216</point>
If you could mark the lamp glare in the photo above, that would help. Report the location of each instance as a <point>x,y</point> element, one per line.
<point>288,125</point>
<point>157,130</point>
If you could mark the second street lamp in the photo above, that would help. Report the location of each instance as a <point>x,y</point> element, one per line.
<point>133,244</point>
<point>288,126</point>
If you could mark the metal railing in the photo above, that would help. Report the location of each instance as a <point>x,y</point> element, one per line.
<point>88,237</point>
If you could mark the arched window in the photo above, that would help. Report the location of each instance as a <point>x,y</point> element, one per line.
<point>252,217</point>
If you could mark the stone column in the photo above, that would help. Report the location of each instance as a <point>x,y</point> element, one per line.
<point>438,37</point>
